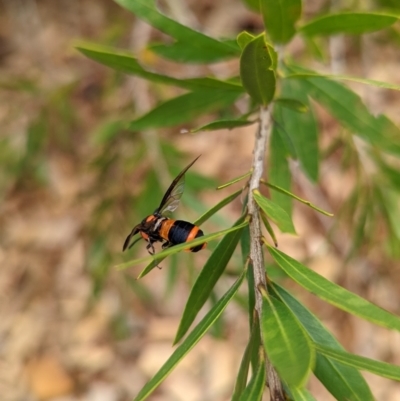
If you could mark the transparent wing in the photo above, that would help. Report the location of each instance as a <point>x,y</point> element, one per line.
<point>172,197</point>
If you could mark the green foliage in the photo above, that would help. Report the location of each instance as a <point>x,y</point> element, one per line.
<point>207,279</point>
<point>343,382</point>
<point>294,340</point>
<point>257,70</point>
<point>190,46</point>
<point>349,23</point>
<point>275,213</point>
<point>286,342</point>
<point>280,18</point>
<point>192,339</point>
<point>332,293</point>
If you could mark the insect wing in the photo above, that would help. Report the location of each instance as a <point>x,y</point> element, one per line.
<point>174,193</point>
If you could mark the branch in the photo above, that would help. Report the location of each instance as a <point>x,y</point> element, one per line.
<point>256,251</point>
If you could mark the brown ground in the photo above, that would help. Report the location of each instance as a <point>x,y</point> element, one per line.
<point>71,328</point>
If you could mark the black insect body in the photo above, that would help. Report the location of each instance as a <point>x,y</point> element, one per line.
<point>159,228</point>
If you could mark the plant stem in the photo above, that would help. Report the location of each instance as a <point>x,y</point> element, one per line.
<point>256,251</point>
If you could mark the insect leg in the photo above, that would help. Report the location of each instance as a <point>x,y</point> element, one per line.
<point>150,248</point>
<point>166,245</point>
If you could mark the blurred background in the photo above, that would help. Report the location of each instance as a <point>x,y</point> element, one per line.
<point>73,183</point>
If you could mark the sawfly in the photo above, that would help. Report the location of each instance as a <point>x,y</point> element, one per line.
<point>159,228</point>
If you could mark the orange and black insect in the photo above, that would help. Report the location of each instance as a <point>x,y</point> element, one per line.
<point>159,228</point>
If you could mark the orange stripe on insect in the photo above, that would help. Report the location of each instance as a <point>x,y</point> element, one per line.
<point>165,228</point>
<point>192,234</point>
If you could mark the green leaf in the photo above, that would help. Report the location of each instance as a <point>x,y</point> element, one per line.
<point>275,213</point>
<point>123,61</point>
<point>287,193</point>
<point>204,48</point>
<point>255,389</point>
<point>252,345</point>
<point>223,124</point>
<point>348,23</point>
<point>365,81</point>
<point>235,180</point>
<point>286,343</point>
<point>207,278</point>
<point>191,340</point>
<point>279,128</point>
<point>280,17</point>
<point>256,72</point>
<point>245,248</point>
<point>269,228</point>
<point>183,52</point>
<point>204,217</point>
<point>244,38</point>
<point>301,394</point>
<point>278,170</point>
<point>359,362</point>
<point>332,293</point>
<point>183,109</point>
<point>344,382</point>
<point>292,104</point>
<point>177,248</point>
<point>390,174</point>
<point>302,129</point>
<point>347,107</point>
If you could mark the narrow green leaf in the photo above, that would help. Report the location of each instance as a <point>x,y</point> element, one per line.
<point>269,228</point>
<point>183,108</point>
<point>292,104</point>
<point>252,345</point>
<point>123,61</point>
<point>191,340</point>
<point>332,293</point>
<point>302,129</point>
<point>286,343</point>
<point>359,362</point>
<point>389,206</point>
<point>372,82</point>
<point>275,213</point>
<point>256,72</point>
<point>287,193</point>
<point>207,278</point>
<point>348,23</point>
<point>348,108</point>
<point>278,170</point>
<point>390,174</point>
<point>244,38</point>
<point>301,394</point>
<point>280,17</point>
<point>245,248</point>
<point>279,129</point>
<point>234,181</point>
<point>255,389</point>
<point>223,124</point>
<point>183,52</point>
<point>343,382</point>
<point>204,217</point>
<point>146,11</point>
<point>177,248</point>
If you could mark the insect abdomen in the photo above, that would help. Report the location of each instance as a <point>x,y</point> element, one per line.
<point>182,231</point>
